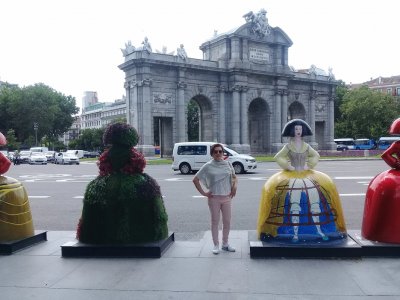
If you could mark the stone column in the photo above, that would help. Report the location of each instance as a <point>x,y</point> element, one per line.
<point>313,95</point>
<point>277,142</point>
<point>146,134</point>
<point>235,49</point>
<point>244,117</point>
<point>133,105</point>
<point>222,128</point>
<point>180,112</point>
<point>236,115</point>
<point>128,102</point>
<point>284,107</point>
<point>331,145</point>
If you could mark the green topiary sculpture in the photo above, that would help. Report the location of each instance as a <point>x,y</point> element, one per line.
<point>122,205</point>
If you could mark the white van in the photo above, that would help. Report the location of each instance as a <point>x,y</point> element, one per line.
<point>39,149</point>
<point>77,153</point>
<point>191,156</point>
<point>344,144</point>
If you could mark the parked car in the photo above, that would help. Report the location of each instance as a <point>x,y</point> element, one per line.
<point>91,154</point>
<point>39,149</point>
<point>50,156</point>
<point>344,144</point>
<point>37,158</point>
<point>191,156</point>
<point>66,158</point>
<point>78,153</point>
<point>24,156</point>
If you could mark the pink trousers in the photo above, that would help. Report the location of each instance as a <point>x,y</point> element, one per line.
<point>218,205</point>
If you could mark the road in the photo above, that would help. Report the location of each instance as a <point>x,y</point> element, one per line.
<point>56,193</point>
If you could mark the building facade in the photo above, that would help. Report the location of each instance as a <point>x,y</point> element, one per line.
<point>244,87</point>
<point>387,85</point>
<point>101,114</point>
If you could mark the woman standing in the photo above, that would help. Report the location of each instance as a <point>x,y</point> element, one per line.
<point>218,176</point>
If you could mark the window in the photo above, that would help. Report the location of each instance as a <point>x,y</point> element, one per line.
<point>398,91</point>
<point>389,91</point>
<point>192,150</point>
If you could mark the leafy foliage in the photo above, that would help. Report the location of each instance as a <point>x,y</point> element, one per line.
<point>193,121</point>
<point>366,113</point>
<point>89,139</point>
<point>123,204</point>
<point>20,108</point>
<point>341,90</point>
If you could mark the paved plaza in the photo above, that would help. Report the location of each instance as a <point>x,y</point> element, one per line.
<point>188,269</point>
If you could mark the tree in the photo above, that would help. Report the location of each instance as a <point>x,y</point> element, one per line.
<point>341,90</point>
<point>20,108</point>
<point>193,121</point>
<point>366,113</point>
<point>89,139</point>
<point>12,143</point>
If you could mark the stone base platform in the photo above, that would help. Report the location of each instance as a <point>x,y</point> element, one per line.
<point>147,250</point>
<point>375,249</point>
<point>9,247</point>
<point>355,246</point>
<point>348,248</point>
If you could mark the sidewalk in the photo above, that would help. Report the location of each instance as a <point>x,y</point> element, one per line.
<point>188,270</point>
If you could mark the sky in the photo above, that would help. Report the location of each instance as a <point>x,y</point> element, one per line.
<point>74,46</point>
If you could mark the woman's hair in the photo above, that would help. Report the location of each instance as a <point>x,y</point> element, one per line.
<point>216,146</point>
<point>288,130</point>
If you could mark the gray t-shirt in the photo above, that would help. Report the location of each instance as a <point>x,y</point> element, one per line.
<point>217,176</point>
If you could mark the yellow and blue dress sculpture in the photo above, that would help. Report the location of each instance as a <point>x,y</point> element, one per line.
<point>15,214</point>
<point>299,204</point>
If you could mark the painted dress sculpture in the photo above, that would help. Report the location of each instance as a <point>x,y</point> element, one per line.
<point>122,205</point>
<point>298,204</point>
<point>15,214</point>
<point>381,220</point>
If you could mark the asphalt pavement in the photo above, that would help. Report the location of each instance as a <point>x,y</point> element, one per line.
<point>189,270</point>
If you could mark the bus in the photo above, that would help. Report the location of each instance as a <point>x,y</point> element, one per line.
<point>344,144</point>
<point>385,141</point>
<point>364,144</point>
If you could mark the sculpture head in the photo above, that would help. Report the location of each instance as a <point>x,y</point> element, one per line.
<point>120,134</point>
<point>3,140</point>
<point>289,129</point>
<point>395,127</point>
<point>120,155</point>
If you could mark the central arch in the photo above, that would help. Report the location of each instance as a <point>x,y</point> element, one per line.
<point>296,110</point>
<point>206,124</point>
<point>259,123</point>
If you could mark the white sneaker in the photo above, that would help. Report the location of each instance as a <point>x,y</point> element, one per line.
<point>215,250</point>
<point>228,248</point>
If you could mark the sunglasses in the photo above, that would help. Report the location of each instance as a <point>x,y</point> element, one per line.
<point>218,151</point>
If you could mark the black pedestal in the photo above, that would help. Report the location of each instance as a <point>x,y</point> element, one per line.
<point>9,247</point>
<point>147,250</point>
<point>347,248</point>
<point>375,249</point>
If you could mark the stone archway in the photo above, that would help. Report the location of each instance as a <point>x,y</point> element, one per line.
<point>296,110</point>
<point>259,126</point>
<point>206,124</point>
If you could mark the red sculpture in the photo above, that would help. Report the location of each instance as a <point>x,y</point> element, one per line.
<point>4,161</point>
<point>381,221</point>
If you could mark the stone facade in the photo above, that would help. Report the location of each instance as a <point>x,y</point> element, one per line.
<point>244,87</point>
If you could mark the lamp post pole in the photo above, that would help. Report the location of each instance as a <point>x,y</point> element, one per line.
<point>35,127</point>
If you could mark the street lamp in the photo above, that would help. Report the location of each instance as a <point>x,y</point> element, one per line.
<point>35,127</point>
